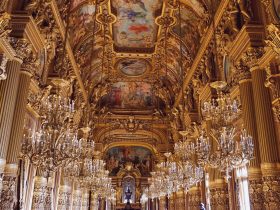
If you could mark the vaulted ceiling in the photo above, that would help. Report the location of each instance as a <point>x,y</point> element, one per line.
<point>132,60</point>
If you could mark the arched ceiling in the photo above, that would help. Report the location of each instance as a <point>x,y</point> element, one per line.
<point>129,54</point>
<point>132,50</point>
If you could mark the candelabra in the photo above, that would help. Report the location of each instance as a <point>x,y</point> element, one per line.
<point>56,143</point>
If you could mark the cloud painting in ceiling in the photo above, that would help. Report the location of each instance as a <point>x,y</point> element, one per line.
<point>135,26</point>
<point>131,95</point>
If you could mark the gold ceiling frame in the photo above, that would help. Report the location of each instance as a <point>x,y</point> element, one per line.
<point>119,73</point>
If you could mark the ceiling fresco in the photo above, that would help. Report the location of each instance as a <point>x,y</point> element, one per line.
<point>132,66</point>
<point>131,95</point>
<point>81,23</point>
<point>139,53</point>
<point>135,26</point>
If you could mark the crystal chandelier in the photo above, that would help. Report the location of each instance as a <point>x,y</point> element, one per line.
<point>56,142</point>
<point>227,151</point>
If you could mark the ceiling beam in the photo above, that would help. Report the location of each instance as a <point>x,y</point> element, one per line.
<point>204,44</point>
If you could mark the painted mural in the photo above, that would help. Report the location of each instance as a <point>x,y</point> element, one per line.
<point>140,157</point>
<point>81,22</point>
<point>131,95</point>
<point>132,67</point>
<point>135,26</point>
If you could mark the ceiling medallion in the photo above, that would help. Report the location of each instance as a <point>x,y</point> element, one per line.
<point>132,67</point>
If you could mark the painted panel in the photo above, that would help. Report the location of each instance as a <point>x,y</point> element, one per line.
<point>140,157</point>
<point>132,67</point>
<point>131,95</point>
<point>135,26</point>
<point>81,23</point>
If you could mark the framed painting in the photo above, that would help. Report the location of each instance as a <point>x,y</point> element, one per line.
<point>132,67</point>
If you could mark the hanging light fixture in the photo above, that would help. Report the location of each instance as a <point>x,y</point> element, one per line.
<point>227,152</point>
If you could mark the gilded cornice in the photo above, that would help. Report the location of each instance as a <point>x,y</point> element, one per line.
<point>203,47</point>
<point>23,25</point>
<point>61,28</point>
<point>249,36</point>
<point>8,50</point>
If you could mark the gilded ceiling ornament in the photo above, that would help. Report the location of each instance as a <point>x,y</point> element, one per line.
<point>106,18</point>
<point>165,21</point>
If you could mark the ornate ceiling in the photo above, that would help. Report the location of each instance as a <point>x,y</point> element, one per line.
<point>129,53</point>
<point>132,60</point>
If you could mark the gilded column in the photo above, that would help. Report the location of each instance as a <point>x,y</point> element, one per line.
<point>267,139</point>
<point>8,94</point>
<point>249,120</point>
<point>11,168</point>
<point>194,198</point>
<point>219,199</point>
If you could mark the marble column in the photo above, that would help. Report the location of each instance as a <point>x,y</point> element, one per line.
<point>194,198</point>
<point>219,198</point>
<point>249,120</point>
<point>267,139</point>
<point>8,95</point>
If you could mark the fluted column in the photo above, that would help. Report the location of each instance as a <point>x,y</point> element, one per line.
<point>8,94</point>
<point>267,139</point>
<point>15,138</point>
<point>194,198</point>
<point>249,120</point>
<point>219,195</point>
